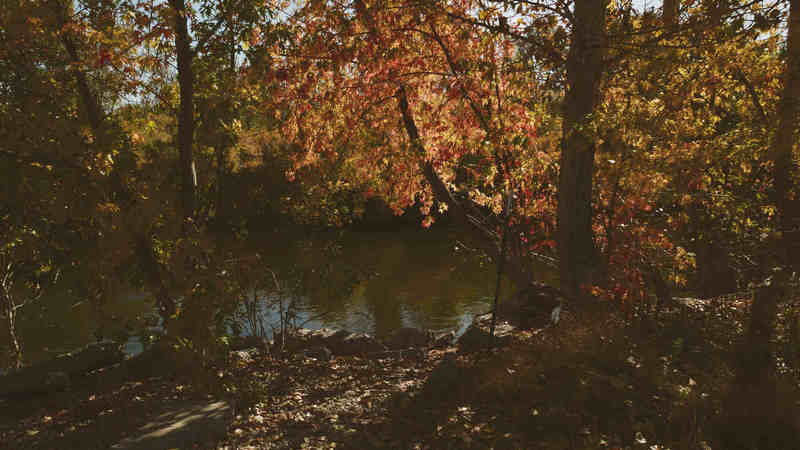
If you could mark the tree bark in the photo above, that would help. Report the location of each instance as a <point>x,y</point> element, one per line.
<point>186,114</point>
<point>757,366</point>
<point>670,14</point>
<point>11,319</point>
<point>585,68</point>
<point>463,210</point>
<point>717,10</point>
<point>784,167</point>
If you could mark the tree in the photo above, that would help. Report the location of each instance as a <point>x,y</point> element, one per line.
<point>757,364</point>
<point>186,119</point>
<point>434,112</point>
<point>585,67</point>
<point>783,160</point>
<point>24,268</point>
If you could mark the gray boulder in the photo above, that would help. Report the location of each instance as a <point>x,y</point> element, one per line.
<point>303,338</point>
<point>408,337</point>
<point>356,344</point>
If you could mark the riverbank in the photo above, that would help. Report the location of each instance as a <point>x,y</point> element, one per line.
<point>596,381</point>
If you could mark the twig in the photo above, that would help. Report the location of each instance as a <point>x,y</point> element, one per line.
<point>500,266</point>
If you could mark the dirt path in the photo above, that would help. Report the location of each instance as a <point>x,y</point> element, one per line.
<point>184,425</point>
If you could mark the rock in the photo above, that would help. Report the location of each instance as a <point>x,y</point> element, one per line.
<point>339,342</point>
<point>321,353</point>
<point>532,307</point>
<point>444,340</point>
<point>51,375</point>
<point>246,356</point>
<point>408,337</point>
<point>477,335</point>
<point>304,338</point>
<point>416,353</point>
<point>237,343</point>
<point>356,344</point>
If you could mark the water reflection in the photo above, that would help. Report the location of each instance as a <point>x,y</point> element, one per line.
<point>379,282</point>
<point>371,282</point>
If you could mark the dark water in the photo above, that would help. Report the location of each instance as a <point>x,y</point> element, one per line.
<point>379,282</point>
<point>373,282</point>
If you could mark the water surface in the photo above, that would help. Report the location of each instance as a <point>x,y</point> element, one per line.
<point>372,282</point>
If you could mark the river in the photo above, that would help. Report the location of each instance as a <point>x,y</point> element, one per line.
<point>372,282</point>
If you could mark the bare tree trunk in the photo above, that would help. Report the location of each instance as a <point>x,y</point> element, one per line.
<point>16,348</point>
<point>585,68</point>
<point>11,322</point>
<point>186,114</point>
<point>10,306</point>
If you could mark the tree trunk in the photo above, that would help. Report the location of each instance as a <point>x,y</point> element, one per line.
<point>715,276</point>
<point>463,210</point>
<point>784,167</point>
<point>585,68</point>
<point>716,11</point>
<point>762,319</point>
<point>670,14</point>
<point>11,322</point>
<point>756,368</point>
<point>186,114</point>
<point>756,364</point>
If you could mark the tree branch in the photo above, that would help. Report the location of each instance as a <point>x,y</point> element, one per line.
<point>465,212</point>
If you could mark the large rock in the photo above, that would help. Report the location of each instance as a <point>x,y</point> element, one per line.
<point>237,343</point>
<point>320,353</point>
<point>304,338</point>
<point>477,335</point>
<point>444,340</point>
<point>56,373</point>
<point>356,344</point>
<point>532,307</point>
<point>409,337</point>
<point>245,356</point>
<point>340,342</point>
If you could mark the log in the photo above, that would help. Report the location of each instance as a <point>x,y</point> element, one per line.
<point>55,374</point>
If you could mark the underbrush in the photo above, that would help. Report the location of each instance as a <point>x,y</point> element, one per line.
<point>601,381</point>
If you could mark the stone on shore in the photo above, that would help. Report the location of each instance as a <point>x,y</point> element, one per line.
<point>477,335</point>
<point>408,337</point>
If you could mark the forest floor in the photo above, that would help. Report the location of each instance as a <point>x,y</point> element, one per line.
<point>594,382</point>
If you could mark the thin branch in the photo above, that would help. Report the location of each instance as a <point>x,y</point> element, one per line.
<point>454,69</point>
<point>751,90</point>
